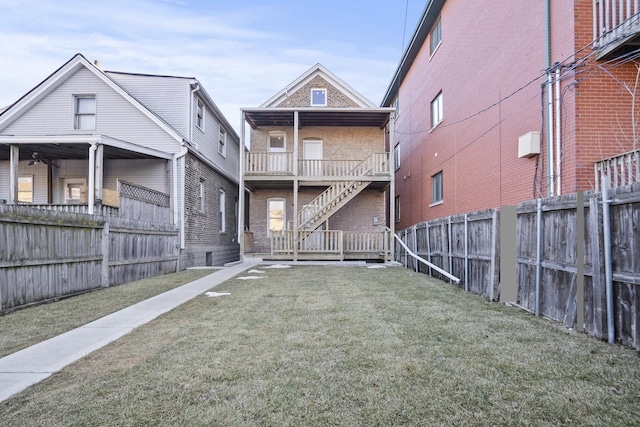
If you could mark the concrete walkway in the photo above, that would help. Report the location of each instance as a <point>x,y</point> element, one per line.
<point>33,364</point>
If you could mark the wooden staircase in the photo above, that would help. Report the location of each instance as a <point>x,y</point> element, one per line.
<point>330,201</point>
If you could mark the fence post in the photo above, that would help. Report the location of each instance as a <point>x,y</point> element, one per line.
<point>428,246</point>
<point>494,253</point>
<point>449,245</point>
<point>105,255</point>
<point>466,252</point>
<point>596,301</point>
<point>415,246</point>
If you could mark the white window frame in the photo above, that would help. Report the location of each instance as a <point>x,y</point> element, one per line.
<point>437,111</point>
<point>284,213</point>
<point>78,115</point>
<point>23,182</point>
<point>223,204</point>
<point>437,189</point>
<point>396,105</point>
<point>320,89</point>
<point>222,142</point>
<point>200,114</point>
<point>201,196</point>
<point>435,36</point>
<point>397,208</point>
<point>68,183</point>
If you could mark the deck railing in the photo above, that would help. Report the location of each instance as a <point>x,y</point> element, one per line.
<point>336,243</point>
<point>614,20</point>
<point>262,163</point>
<point>622,170</point>
<point>78,208</point>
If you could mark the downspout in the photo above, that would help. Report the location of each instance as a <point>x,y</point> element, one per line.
<point>92,177</point>
<point>190,121</point>
<point>550,162</point>
<point>178,211</point>
<point>608,275</point>
<point>558,177</point>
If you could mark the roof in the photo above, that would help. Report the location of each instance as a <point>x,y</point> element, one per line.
<point>429,16</point>
<point>331,78</point>
<point>313,116</point>
<point>365,113</point>
<point>68,68</point>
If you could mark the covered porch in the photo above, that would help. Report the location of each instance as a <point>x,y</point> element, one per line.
<point>616,27</point>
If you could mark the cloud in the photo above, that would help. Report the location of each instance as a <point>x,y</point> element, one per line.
<point>241,58</point>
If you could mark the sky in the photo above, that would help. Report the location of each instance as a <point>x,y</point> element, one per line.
<point>243,52</point>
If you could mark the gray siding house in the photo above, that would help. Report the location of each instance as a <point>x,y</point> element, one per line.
<point>76,138</point>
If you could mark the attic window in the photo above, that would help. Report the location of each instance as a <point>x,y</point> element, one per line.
<point>85,112</point>
<point>318,97</point>
<point>200,115</point>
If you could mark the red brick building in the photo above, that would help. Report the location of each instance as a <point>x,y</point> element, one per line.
<point>482,82</point>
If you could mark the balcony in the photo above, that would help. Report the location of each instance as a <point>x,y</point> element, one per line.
<point>616,27</point>
<point>622,170</point>
<point>267,166</point>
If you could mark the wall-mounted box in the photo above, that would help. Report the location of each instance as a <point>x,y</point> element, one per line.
<point>529,144</point>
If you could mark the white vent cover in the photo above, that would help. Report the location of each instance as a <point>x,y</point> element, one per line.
<point>529,144</point>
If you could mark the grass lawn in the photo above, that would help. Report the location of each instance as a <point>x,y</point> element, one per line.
<point>351,346</point>
<point>29,326</point>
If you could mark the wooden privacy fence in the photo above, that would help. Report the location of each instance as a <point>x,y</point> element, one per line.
<point>47,254</point>
<point>468,246</point>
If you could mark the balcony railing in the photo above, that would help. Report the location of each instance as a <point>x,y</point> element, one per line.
<point>622,170</point>
<point>261,163</point>
<point>614,20</point>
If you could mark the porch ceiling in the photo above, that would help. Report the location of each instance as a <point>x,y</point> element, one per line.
<point>71,151</point>
<point>372,117</point>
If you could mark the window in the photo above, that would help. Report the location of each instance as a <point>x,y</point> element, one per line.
<point>25,189</point>
<point>436,35</point>
<point>318,97</point>
<point>436,111</point>
<point>200,115</point>
<point>397,208</point>
<point>84,112</point>
<point>201,196</point>
<point>223,201</point>
<point>276,215</point>
<point>436,188</point>
<point>396,156</point>
<point>222,142</point>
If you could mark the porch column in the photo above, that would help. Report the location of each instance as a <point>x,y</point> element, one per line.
<point>241,199</point>
<point>392,193</point>
<point>92,179</point>
<point>13,173</point>
<point>99,173</point>
<point>296,185</point>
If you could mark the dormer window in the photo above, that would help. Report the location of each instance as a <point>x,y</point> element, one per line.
<point>318,97</point>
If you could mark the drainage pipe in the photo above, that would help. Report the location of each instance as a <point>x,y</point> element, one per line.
<point>606,230</point>
<point>538,255</point>
<point>558,177</point>
<point>550,162</point>
<point>92,178</point>
<point>424,261</point>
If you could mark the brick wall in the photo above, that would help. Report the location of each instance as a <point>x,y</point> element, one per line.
<point>302,97</point>
<point>203,237</point>
<point>338,143</point>
<point>490,67</point>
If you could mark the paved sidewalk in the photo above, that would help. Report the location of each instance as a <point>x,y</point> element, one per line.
<point>33,364</point>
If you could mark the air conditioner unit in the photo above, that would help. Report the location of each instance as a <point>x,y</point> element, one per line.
<point>529,144</point>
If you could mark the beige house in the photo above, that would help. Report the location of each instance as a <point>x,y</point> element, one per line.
<point>318,174</point>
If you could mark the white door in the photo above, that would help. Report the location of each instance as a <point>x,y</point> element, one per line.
<point>277,152</point>
<point>312,155</point>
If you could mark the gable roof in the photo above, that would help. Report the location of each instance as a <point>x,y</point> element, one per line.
<point>310,74</point>
<point>429,16</point>
<point>62,74</point>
